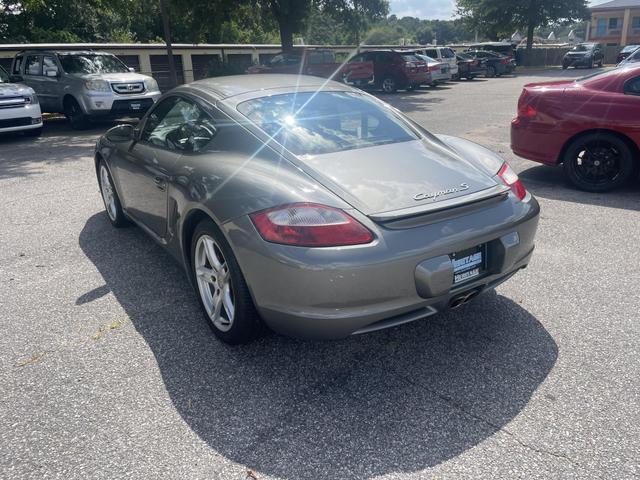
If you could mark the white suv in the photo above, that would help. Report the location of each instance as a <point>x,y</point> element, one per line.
<point>443,54</point>
<point>19,108</point>
<point>85,84</point>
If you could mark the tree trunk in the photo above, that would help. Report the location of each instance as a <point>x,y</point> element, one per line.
<point>530,28</point>
<point>173,76</point>
<point>286,34</point>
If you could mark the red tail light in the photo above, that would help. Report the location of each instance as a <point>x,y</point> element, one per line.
<point>434,68</point>
<point>504,61</point>
<point>310,225</point>
<point>525,109</point>
<point>511,180</point>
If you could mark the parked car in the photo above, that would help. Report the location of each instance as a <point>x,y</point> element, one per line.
<point>313,207</point>
<point>469,67</point>
<point>502,48</point>
<point>394,69</point>
<point>584,55</point>
<point>19,108</point>
<point>625,52</point>
<point>84,85</point>
<point>630,57</point>
<point>442,54</point>
<point>320,63</point>
<point>590,125</point>
<point>497,64</point>
<point>439,72</point>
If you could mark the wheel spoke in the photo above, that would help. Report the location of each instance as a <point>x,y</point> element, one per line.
<point>210,251</point>
<point>207,274</point>
<point>217,307</point>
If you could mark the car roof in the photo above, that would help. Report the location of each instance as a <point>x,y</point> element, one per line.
<point>63,52</point>
<point>235,85</point>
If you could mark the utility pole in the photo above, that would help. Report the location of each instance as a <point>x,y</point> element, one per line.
<point>173,76</point>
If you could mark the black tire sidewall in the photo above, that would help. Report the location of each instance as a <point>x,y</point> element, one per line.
<point>78,121</point>
<point>246,323</point>
<point>627,163</point>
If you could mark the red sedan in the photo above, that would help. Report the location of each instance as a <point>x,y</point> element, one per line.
<point>590,125</point>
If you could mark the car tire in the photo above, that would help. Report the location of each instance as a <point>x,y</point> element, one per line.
<point>221,288</point>
<point>590,65</point>
<point>565,66</point>
<point>110,198</point>
<point>389,85</point>
<point>491,71</point>
<point>34,132</point>
<point>410,88</point>
<point>77,118</point>
<point>598,162</point>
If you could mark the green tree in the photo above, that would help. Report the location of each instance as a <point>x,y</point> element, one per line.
<point>499,17</point>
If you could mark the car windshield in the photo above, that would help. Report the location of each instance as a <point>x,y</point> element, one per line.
<point>4,76</point>
<point>285,59</point>
<point>629,48</point>
<point>582,48</point>
<point>88,63</point>
<point>428,59</point>
<point>410,58</point>
<point>315,123</point>
<point>464,56</point>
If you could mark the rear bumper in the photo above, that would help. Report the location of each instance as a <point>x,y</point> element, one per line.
<point>404,275</point>
<point>536,141</point>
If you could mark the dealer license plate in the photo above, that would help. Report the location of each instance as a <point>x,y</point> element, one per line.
<point>468,264</point>
<point>135,106</point>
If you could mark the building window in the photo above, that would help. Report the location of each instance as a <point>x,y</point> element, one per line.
<point>601,29</point>
<point>613,23</point>
<point>635,22</point>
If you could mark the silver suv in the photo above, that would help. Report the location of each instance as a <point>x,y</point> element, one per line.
<point>85,84</point>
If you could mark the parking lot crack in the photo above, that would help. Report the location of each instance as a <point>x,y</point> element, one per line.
<point>496,428</point>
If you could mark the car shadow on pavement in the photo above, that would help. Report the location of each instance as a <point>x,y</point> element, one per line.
<point>548,182</point>
<point>399,400</point>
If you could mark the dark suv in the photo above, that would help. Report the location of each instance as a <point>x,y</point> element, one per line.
<point>395,69</point>
<point>584,55</point>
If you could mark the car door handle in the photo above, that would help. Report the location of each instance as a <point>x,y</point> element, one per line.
<point>160,182</point>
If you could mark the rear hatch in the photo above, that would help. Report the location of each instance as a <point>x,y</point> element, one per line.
<point>407,178</point>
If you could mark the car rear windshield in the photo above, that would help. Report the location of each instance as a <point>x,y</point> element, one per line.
<point>315,123</point>
<point>410,58</point>
<point>630,48</point>
<point>4,76</point>
<point>88,63</point>
<point>582,48</point>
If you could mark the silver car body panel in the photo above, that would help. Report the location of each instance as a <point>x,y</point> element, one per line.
<point>331,292</point>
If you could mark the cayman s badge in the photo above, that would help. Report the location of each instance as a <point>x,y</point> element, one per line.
<point>441,193</point>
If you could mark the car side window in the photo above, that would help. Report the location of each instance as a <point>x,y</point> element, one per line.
<point>432,52</point>
<point>632,86</point>
<point>33,65</point>
<point>180,125</point>
<point>49,64</point>
<point>17,65</point>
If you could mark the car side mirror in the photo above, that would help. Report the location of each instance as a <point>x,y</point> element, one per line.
<point>132,70</point>
<point>121,133</point>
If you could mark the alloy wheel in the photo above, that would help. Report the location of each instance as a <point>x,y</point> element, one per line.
<point>214,283</point>
<point>389,85</point>
<point>598,162</point>
<point>108,195</point>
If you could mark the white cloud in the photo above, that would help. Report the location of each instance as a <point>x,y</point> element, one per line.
<point>424,9</point>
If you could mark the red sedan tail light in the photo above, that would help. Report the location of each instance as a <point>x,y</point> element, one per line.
<point>310,225</point>
<point>511,180</point>
<point>525,109</point>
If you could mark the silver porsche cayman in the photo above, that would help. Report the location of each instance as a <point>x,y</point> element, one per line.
<point>313,208</point>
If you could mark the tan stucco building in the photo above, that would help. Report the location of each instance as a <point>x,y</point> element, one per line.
<point>615,23</point>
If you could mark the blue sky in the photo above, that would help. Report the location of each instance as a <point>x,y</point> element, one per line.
<point>431,9</point>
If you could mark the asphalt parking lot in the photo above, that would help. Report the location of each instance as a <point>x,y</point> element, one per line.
<point>109,371</point>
